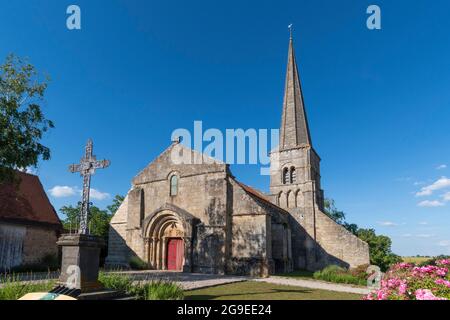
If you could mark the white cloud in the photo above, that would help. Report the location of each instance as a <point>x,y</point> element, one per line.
<point>387,223</point>
<point>66,191</point>
<point>441,167</point>
<point>430,204</point>
<point>421,235</point>
<point>62,191</point>
<point>425,235</point>
<point>423,223</point>
<point>442,183</point>
<point>98,195</point>
<point>446,196</point>
<point>444,243</point>
<point>403,179</point>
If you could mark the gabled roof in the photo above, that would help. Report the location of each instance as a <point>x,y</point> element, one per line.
<point>28,203</point>
<point>177,156</point>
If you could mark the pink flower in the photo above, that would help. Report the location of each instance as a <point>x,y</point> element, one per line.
<point>425,294</point>
<point>444,262</point>
<point>444,282</point>
<point>441,272</point>
<point>403,265</point>
<point>402,288</point>
<point>382,295</point>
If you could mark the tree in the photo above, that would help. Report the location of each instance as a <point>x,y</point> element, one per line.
<point>379,245</point>
<point>22,123</point>
<point>117,201</point>
<point>98,220</point>
<point>338,216</point>
<point>380,248</point>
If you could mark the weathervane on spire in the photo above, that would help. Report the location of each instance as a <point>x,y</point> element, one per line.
<point>290,30</point>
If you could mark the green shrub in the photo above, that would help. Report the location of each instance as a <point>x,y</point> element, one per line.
<point>337,274</point>
<point>137,263</point>
<point>157,290</point>
<point>12,289</point>
<point>360,272</point>
<point>115,281</point>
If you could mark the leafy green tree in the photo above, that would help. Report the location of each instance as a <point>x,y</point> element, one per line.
<point>338,216</point>
<point>22,123</point>
<point>117,201</point>
<point>98,219</point>
<point>380,248</point>
<point>333,212</point>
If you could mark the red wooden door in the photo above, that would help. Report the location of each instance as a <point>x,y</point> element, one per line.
<point>175,254</point>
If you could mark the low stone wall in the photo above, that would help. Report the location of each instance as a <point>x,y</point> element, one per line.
<point>341,246</point>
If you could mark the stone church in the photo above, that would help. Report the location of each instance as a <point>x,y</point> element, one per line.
<point>200,218</point>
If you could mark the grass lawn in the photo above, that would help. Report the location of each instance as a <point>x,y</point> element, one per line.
<point>251,290</point>
<point>415,260</point>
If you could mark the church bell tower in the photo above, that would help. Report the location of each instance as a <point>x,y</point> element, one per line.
<point>295,165</point>
<point>295,169</point>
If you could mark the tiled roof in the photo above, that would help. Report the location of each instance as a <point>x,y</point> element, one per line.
<point>27,203</point>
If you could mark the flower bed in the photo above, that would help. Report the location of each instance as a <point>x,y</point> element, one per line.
<point>405,281</point>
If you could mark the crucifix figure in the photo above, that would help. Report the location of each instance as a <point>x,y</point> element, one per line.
<point>86,168</point>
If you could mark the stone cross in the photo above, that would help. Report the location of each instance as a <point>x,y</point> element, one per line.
<point>86,168</point>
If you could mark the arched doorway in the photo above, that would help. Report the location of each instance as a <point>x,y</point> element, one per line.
<point>166,242</point>
<point>175,256</point>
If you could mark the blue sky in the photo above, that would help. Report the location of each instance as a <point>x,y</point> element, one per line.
<point>377,101</point>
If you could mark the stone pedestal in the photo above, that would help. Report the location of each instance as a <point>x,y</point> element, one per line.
<point>80,261</point>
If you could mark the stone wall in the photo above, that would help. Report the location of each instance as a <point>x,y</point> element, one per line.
<point>341,246</point>
<point>38,243</point>
<point>202,193</point>
<point>118,252</point>
<point>317,241</point>
<point>258,228</point>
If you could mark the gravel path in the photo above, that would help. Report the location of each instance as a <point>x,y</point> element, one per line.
<point>188,281</point>
<point>314,284</point>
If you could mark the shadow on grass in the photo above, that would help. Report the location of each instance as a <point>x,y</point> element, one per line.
<point>301,274</point>
<point>248,295</point>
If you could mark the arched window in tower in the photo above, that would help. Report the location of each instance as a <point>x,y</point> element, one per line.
<point>285,177</point>
<point>174,185</point>
<point>293,175</point>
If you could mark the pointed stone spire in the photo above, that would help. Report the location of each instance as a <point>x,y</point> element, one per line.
<point>294,131</point>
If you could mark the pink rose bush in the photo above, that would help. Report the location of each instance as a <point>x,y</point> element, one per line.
<point>405,281</point>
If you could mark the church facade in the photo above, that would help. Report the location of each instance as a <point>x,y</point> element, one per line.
<point>197,217</point>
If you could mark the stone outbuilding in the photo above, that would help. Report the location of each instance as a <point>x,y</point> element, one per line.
<point>29,225</point>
